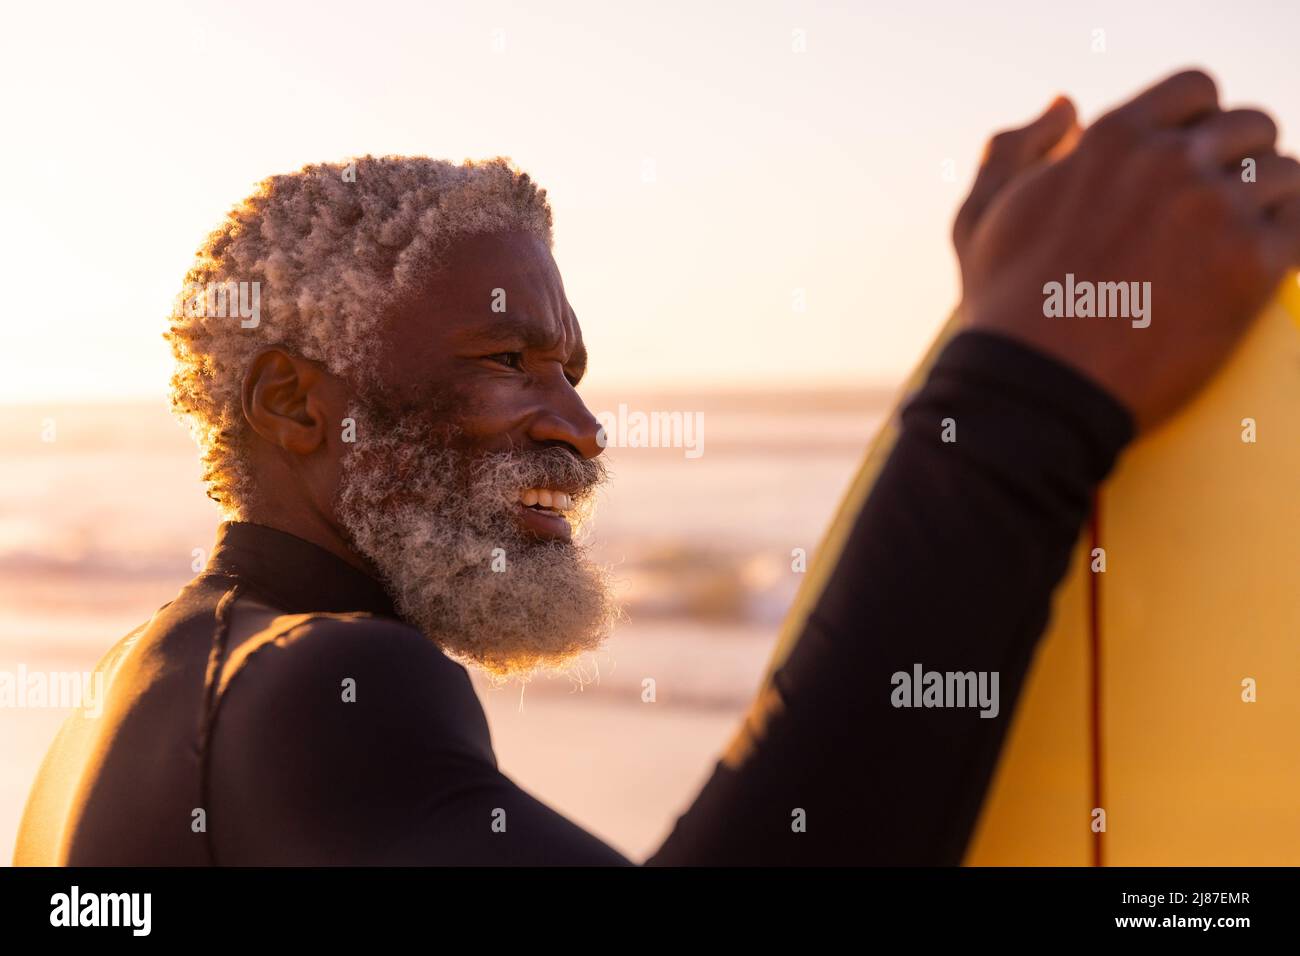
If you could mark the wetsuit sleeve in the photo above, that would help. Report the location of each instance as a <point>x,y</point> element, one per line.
<point>950,566</point>
<point>359,742</point>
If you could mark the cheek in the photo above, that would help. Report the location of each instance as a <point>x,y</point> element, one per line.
<point>491,418</point>
<point>467,412</point>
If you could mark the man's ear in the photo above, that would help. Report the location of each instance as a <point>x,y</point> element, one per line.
<point>285,400</point>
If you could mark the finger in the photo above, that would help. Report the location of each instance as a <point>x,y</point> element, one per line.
<point>1224,139</point>
<point>1067,142</point>
<point>1176,101</point>
<point>1276,180</point>
<point>1010,153</point>
<point>1284,232</point>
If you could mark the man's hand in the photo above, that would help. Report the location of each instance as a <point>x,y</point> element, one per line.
<point>1151,192</point>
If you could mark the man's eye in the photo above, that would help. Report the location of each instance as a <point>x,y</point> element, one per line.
<point>508,359</point>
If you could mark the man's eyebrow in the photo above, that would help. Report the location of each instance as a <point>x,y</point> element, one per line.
<point>511,327</point>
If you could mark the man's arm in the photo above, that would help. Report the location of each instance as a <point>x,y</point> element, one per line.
<point>950,565</point>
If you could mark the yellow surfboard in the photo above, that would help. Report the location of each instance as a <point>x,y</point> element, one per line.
<point>1166,691</point>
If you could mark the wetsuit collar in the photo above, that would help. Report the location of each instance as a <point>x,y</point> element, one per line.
<point>294,574</point>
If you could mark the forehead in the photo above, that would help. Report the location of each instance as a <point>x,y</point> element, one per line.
<point>479,270</point>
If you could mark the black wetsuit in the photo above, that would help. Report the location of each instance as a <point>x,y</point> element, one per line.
<point>226,736</point>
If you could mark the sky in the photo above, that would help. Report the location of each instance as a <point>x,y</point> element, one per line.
<point>745,194</point>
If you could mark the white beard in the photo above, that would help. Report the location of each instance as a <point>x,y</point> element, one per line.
<point>430,519</point>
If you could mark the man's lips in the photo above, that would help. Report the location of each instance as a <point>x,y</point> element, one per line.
<point>547,525</point>
<point>541,511</point>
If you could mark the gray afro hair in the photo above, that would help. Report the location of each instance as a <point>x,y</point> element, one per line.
<point>330,247</point>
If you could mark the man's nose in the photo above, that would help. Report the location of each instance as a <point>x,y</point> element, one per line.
<point>565,419</point>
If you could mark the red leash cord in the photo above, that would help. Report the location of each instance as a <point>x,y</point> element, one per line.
<point>1094,690</point>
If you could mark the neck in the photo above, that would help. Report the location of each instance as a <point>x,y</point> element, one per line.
<point>309,524</point>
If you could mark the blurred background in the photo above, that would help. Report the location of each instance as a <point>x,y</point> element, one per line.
<point>752,209</point>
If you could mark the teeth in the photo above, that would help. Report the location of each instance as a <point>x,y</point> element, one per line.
<point>546,498</point>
